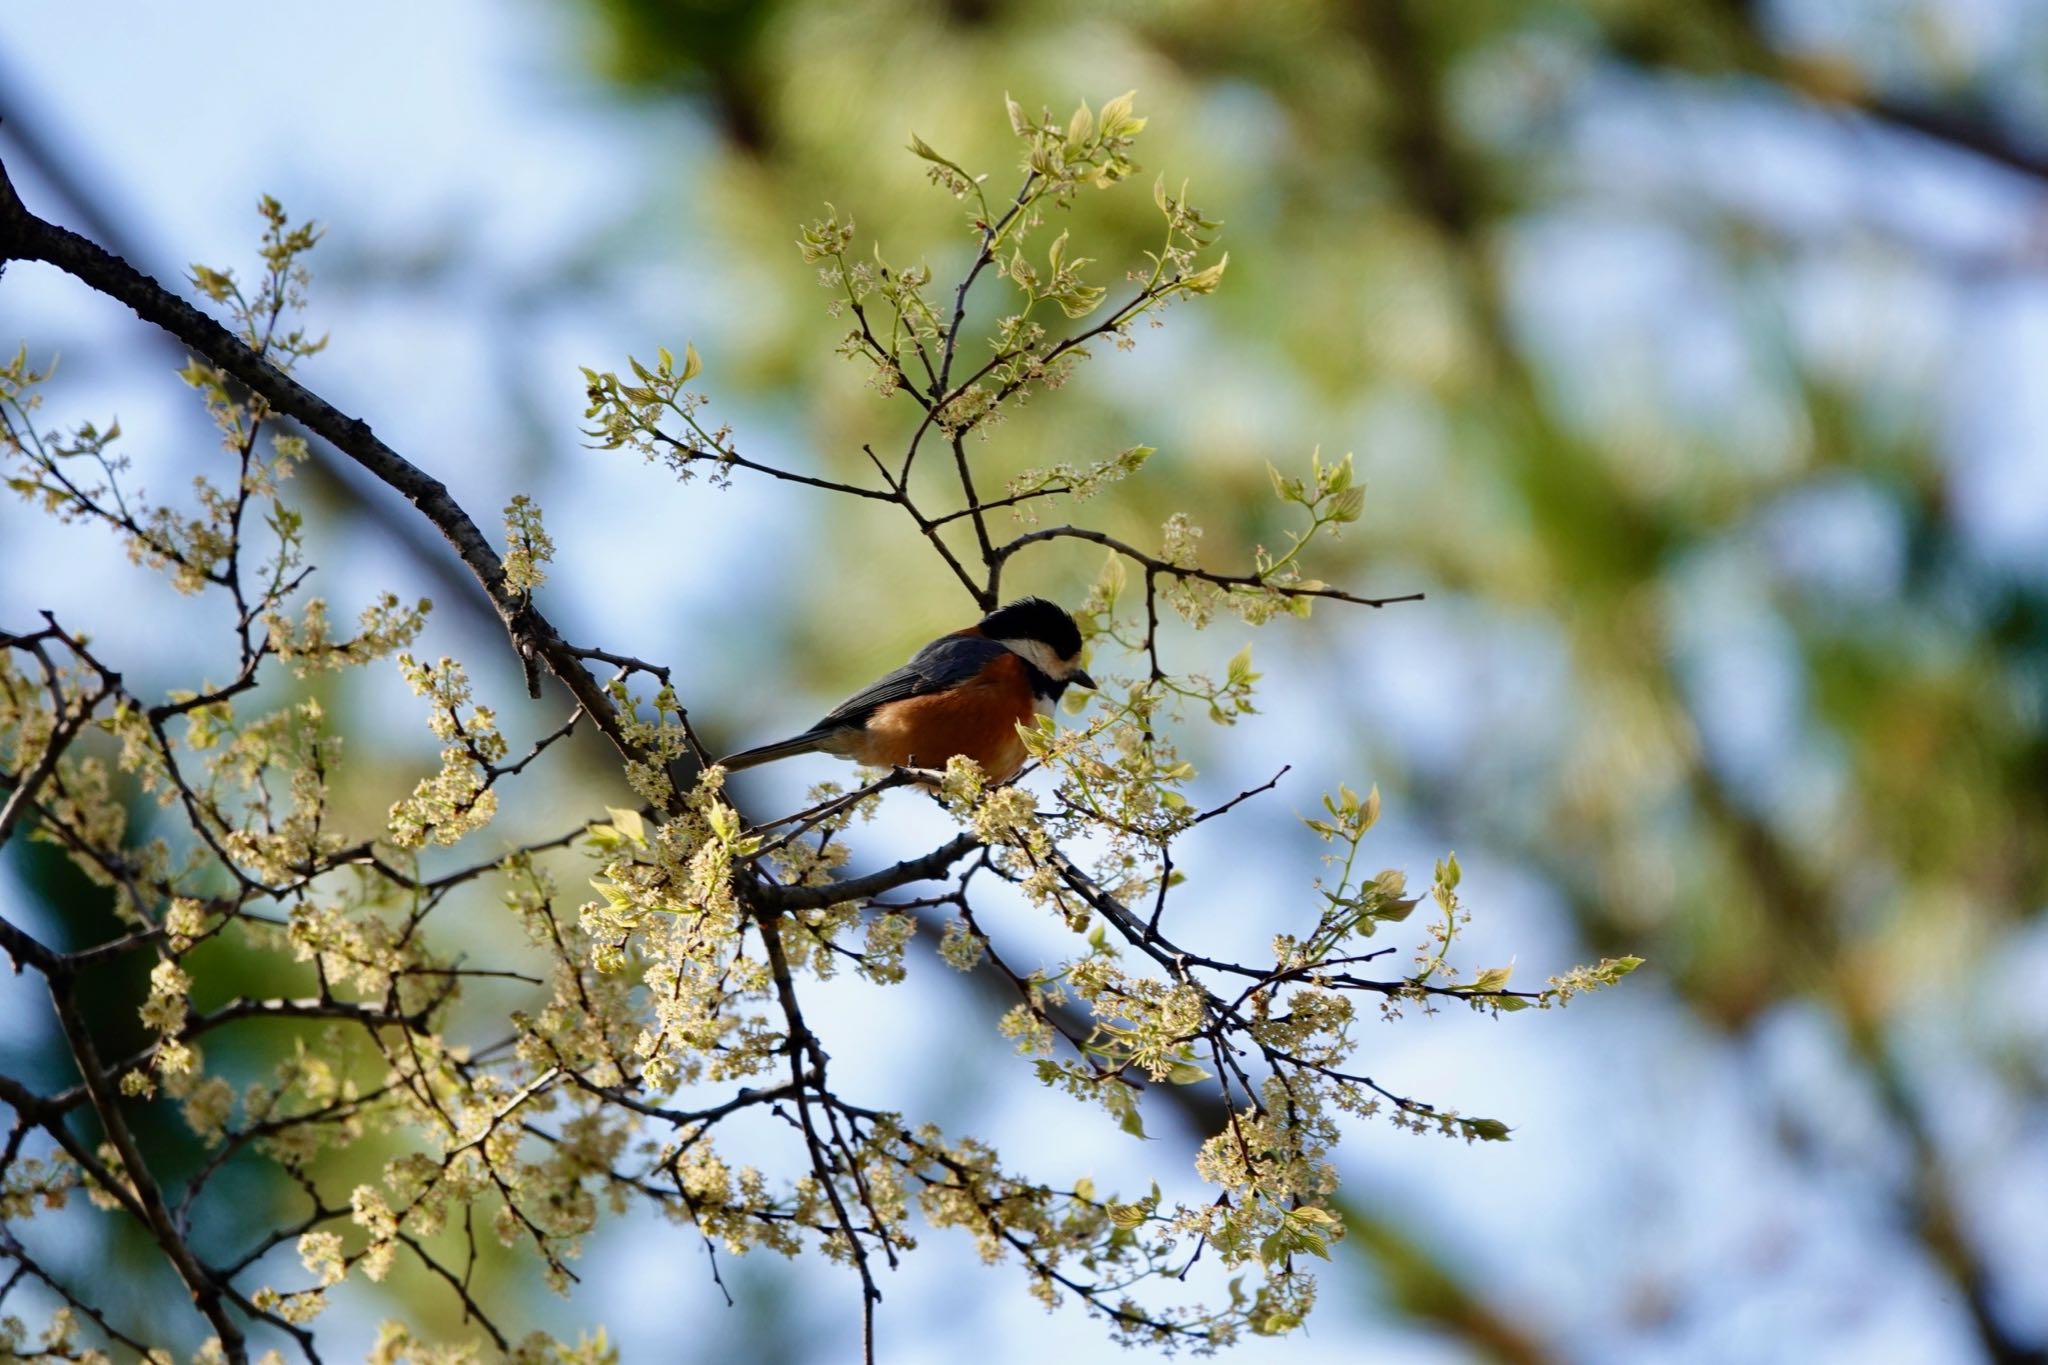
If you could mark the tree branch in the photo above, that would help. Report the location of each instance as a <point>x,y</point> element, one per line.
<point>909,870</point>
<point>23,236</point>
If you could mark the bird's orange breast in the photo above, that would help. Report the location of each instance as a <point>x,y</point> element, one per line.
<point>979,718</point>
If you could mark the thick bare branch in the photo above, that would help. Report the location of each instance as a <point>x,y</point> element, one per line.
<point>23,236</point>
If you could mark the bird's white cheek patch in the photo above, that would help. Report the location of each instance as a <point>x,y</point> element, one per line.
<point>1038,654</point>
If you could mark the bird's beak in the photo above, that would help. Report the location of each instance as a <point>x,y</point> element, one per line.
<point>1079,677</point>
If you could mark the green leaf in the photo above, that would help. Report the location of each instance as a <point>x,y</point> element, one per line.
<point>1486,1130</point>
<point>1117,112</point>
<point>1080,127</point>
<point>1131,1122</point>
<point>1205,281</point>
<point>628,823</point>
<point>1129,1215</point>
<point>1111,581</point>
<point>1493,978</point>
<point>1613,969</point>
<point>1081,300</point>
<point>693,364</point>
<point>1284,488</point>
<point>1277,1323</point>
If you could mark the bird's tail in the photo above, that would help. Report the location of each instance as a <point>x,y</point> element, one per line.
<point>768,753</point>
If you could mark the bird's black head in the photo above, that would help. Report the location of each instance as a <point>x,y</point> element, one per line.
<point>1044,634</point>
<point>1034,618</point>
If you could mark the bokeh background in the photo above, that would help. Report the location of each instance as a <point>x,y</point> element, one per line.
<point>1695,356</point>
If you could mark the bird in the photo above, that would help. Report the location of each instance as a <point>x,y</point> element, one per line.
<point>964,693</point>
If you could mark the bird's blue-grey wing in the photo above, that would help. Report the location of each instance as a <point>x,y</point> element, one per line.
<point>946,662</point>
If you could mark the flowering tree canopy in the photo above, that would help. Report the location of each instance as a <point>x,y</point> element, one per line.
<point>659,1053</point>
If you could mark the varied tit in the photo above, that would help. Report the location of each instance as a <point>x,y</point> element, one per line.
<point>964,693</point>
